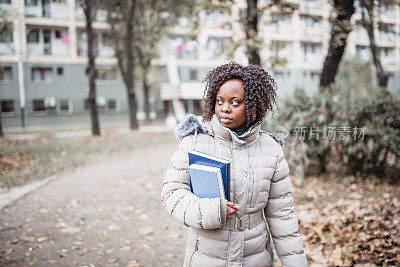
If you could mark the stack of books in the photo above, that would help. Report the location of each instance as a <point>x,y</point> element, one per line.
<point>209,175</point>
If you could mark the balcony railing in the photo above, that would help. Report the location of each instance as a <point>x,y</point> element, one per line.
<point>47,10</point>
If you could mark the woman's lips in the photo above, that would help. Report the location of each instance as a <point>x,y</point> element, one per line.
<point>225,120</point>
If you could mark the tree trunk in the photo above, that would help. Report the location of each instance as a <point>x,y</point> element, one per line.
<point>341,28</point>
<point>146,92</point>
<point>253,49</point>
<point>369,26</point>
<point>1,128</point>
<point>132,102</point>
<point>127,65</point>
<point>89,12</point>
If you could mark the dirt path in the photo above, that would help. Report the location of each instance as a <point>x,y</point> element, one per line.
<point>107,214</point>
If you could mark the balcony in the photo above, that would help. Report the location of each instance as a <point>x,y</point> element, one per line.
<point>386,33</point>
<point>6,7</point>
<point>311,26</point>
<point>103,44</point>
<point>101,15</point>
<point>281,24</point>
<point>306,6</point>
<point>216,48</point>
<point>311,52</point>
<point>46,9</point>
<point>387,56</point>
<point>282,50</point>
<point>48,42</point>
<point>6,44</point>
<point>387,12</point>
<point>216,20</point>
<point>182,47</point>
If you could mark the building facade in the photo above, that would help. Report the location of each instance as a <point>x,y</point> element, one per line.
<point>49,41</point>
<point>299,39</point>
<point>49,37</point>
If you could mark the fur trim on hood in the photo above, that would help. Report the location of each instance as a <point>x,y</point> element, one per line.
<point>190,124</point>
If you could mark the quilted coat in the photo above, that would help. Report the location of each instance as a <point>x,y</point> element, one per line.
<point>260,185</point>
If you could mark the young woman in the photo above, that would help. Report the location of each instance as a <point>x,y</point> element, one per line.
<point>235,233</point>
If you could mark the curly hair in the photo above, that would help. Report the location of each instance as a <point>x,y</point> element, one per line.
<point>259,87</point>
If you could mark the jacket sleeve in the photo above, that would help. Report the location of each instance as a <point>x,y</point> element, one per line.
<point>181,203</point>
<point>282,219</point>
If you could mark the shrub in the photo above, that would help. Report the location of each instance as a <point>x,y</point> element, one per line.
<point>376,151</point>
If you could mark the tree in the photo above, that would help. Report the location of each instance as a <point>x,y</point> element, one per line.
<point>90,8</point>
<point>255,9</point>
<point>5,27</point>
<point>368,22</point>
<point>251,26</point>
<point>121,15</point>
<point>150,26</point>
<point>341,28</point>
<point>137,27</point>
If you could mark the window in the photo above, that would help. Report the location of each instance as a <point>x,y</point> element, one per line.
<point>193,75</point>
<point>31,2</point>
<point>7,106</point>
<point>5,1</point>
<point>315,75</point>
<point>282,74</point>
<point>33,36</point>
<point>106,74</point>
<point>112,105</point>
<point>86,104</point>
<point>42,74</point>
<point>60,71</point>
<point>58,34</point>
<point>6,37</point>
<point>38,105</point>
<point>65,106</point>
<point>6,74</point>
<point>278,75</point>
<point>107,40</point>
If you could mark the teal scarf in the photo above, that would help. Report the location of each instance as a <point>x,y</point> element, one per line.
<point>239,132</point>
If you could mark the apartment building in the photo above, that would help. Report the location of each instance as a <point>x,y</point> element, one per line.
<point>299,39</point>
<point>50,38</point>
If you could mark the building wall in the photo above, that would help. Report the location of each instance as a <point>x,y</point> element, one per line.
<point>72,85</point>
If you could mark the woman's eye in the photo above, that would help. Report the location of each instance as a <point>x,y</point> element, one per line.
<point>235,103</point>
<point>219,102</point>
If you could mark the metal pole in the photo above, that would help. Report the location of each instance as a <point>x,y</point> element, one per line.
<point>21,84</point>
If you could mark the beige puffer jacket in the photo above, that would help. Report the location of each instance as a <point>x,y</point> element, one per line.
<point>259,182</point>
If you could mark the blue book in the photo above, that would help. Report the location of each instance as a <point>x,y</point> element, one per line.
<point>196,157</point>
<point>206,181</point>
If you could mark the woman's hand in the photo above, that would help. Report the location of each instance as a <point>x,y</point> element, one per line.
<point>231,209</point>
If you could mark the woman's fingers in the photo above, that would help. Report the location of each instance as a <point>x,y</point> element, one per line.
<point>233,205</point>
<point>231,209</point>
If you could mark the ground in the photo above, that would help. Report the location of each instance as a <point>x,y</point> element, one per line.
<point>109,214</point>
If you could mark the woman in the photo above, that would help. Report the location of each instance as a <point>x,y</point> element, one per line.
<point>234,233</point>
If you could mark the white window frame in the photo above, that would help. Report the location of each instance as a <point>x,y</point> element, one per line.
<point>70,107</point>
<point>12,75</point>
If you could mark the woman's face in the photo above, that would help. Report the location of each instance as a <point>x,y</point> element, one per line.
<point>230,107</point>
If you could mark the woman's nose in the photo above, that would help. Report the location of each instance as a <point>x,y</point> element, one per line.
<point>225,108</point>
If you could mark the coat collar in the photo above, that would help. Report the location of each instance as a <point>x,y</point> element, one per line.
<point>225,135</point>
